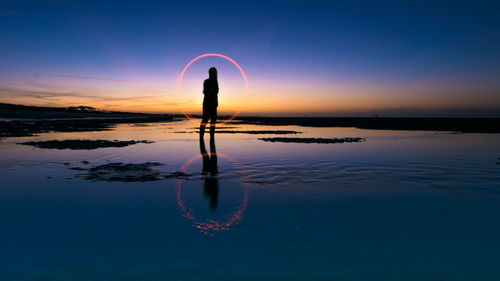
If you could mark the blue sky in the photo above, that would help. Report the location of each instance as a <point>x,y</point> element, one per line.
<point>321,57</point>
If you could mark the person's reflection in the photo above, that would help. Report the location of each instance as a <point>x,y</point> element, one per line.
<point>210,171</point>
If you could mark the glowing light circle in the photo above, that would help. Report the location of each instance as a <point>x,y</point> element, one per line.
<point>207,225</point>
<point>179,82</point>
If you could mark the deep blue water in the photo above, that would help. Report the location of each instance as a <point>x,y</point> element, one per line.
<point>399,206</point>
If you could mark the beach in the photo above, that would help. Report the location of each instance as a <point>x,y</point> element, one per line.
<point>135,203</point>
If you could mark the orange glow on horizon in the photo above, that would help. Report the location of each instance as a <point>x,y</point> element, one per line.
<point>269,96</point>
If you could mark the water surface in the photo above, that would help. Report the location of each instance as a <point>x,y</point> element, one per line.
<point>402,205</point>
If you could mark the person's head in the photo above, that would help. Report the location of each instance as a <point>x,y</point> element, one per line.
<point>212,73</point>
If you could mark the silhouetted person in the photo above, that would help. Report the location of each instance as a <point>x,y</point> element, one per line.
<point>211,188</point>
<point>210,101</point>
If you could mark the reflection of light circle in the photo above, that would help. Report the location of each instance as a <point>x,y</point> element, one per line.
<point>179,82</point>
<point>210,224</point>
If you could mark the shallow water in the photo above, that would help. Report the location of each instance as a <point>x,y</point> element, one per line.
<point>402,205</point>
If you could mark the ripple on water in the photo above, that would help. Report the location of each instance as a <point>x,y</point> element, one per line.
<point>332,175</point>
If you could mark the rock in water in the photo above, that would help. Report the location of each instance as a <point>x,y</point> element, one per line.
<point>313,140</point>
<point>124,172</point>
<point>82,144</point>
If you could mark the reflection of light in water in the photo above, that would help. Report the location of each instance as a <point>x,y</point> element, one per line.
<point>179,82</point>
<point>208,225</point>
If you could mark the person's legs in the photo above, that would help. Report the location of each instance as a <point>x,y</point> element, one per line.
<point>213,121</point>
<point>204,121</point>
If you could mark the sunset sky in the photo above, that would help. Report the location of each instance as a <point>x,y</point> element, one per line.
<point>314,58</point>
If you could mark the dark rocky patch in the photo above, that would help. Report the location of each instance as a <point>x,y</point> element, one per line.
<point>141,125</point>
<point>251,132</point>
<point>85,162</point>
<point>77,168</point>
<point>313,140</point>
<point>259,132</point>
<point>177,175</point>
<point>34,127</point>
<point>82,144</point>
<point>221,127</point>
<point>121,172</point>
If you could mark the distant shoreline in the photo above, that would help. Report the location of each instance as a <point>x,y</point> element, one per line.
<point>16,111</point>
<point>19,120</point>
<point>22,121</point>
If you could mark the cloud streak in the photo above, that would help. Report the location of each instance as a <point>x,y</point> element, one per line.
<point>80,77</point>
<point>6,92</point>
